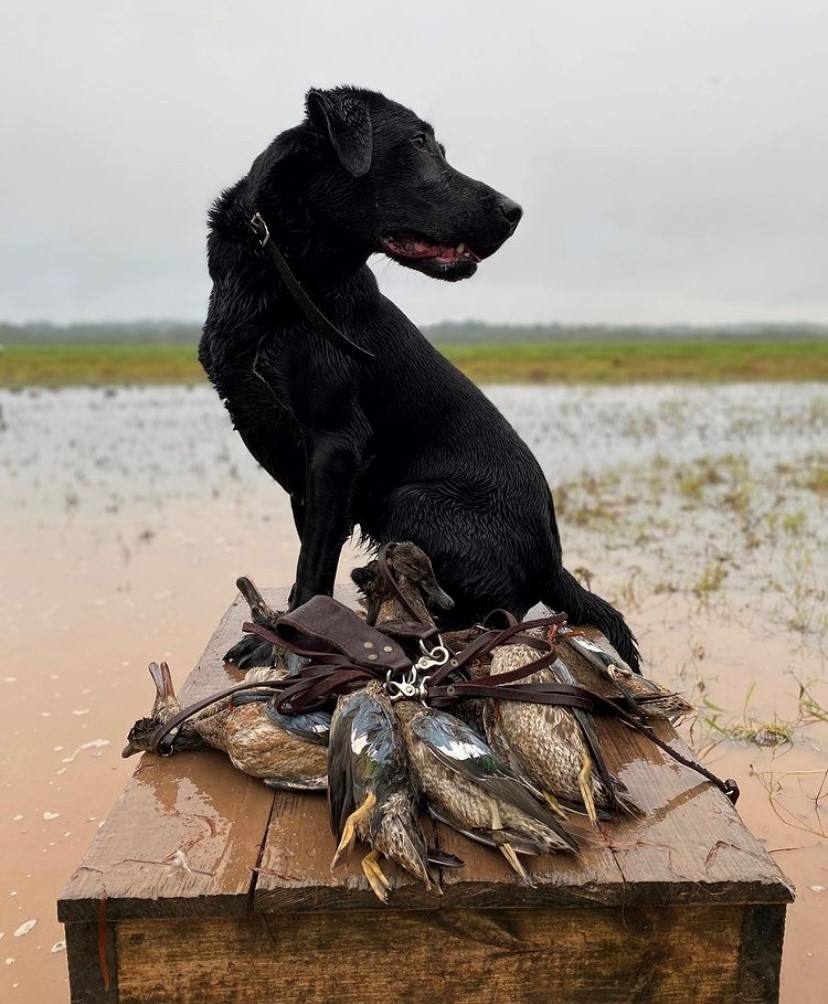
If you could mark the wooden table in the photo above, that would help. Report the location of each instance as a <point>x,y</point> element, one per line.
<point>203,885</point>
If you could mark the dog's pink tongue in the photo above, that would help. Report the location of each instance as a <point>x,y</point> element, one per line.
<point>414,247</point>
<point>422,250</point>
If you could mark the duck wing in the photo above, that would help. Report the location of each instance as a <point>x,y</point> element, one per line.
<point>644,696</point>
<point>365,752</point>
<point>460,749</point>
<point>313,726</point>
<point>600,656</point>
<point>341,801</point>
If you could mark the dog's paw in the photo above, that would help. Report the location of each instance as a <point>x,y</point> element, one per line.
<point>251,651</point>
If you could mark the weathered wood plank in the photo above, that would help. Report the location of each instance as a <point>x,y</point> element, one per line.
<point>90,956</point>
<point>295,868</point>
<point>760,960</point>
<point>487,882</point>
<point>183,839</point>
<point>690,844</point>
<point>658,955</point>
<point>186,832</point>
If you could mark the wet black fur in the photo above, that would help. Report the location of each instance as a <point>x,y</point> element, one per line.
<point>403,446</point>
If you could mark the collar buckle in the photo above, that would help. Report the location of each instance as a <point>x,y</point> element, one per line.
<point>260,228</point>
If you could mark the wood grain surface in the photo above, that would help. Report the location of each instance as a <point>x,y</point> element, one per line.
<point>647,954</point>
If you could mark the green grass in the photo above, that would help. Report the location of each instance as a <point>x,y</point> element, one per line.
<point>624,362</point>
<point>558,362</point>
<point>95,365</point>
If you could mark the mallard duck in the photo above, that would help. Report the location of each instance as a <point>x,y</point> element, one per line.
<point>644,695</point>
<point>466,785</point>
<point>370,794</point>
<point>284,751</point>
<point>556,747</point>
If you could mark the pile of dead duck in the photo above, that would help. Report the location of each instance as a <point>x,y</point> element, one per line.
<point>491,729</point>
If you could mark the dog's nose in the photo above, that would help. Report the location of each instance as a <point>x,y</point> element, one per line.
<point>511,210</point>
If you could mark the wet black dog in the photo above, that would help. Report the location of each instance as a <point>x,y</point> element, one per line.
<point>402,445</point>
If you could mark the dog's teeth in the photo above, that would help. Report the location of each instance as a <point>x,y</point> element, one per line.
<point>461,248</point>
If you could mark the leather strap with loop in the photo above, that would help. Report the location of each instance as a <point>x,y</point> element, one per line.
<point>313,315</point>
<point>324,625</point>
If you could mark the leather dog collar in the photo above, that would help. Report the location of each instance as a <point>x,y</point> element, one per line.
<point>313,315</point>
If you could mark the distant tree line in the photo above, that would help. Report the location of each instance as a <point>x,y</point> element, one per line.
<point>480,333</point>
<point>447,333</point>
<point>101,333</point>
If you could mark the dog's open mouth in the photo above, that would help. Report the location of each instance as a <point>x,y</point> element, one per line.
<point>442,261</point>
<point>412,246</point>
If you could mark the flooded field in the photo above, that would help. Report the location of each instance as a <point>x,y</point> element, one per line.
<point>125,517</point>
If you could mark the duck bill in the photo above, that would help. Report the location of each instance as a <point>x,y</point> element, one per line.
<point>438,597</point>
<point>130,750</point>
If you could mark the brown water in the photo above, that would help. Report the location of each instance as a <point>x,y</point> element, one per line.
<point>127,516</point>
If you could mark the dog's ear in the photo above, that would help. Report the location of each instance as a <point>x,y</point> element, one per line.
<point>345,120</point>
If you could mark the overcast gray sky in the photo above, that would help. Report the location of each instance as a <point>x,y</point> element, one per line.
<point>671,155</point>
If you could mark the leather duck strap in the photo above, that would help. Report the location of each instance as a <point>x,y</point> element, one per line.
<point>346,653</point>
<point>512,634</point>
<point>323,625</point>
<point>163,738</point>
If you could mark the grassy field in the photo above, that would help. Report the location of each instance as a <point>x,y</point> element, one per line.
<point>559,362</point>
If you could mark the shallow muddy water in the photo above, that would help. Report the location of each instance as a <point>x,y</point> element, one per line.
<point>125,517</point>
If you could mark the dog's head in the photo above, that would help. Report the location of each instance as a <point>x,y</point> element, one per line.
<point>380,180</point>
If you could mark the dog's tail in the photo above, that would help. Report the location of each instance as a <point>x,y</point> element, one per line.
<point>566,594</point>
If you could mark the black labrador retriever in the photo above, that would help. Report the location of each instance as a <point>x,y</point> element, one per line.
<point>401,444</point>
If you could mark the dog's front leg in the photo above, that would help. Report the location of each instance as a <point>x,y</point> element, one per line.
<point>333,464</point>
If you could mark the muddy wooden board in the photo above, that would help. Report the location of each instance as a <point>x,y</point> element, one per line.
<point>187,830</point>
<point>195,855</point>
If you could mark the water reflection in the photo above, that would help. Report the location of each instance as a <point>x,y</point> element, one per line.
<point>115,448</point>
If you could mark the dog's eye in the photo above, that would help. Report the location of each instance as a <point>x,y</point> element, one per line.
<point>419,141</point>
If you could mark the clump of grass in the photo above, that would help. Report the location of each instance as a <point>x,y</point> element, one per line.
<point>710,581</point>
<point>818,481</point>
<point>704,473</point>
<point>589,515</point>
<point>810,708</point>
<point>747,728</point>
<point>739,498</point>
<point>692,485</point>
<point>795,523</point>
<point>772,733</point>
<point>580,503</point>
